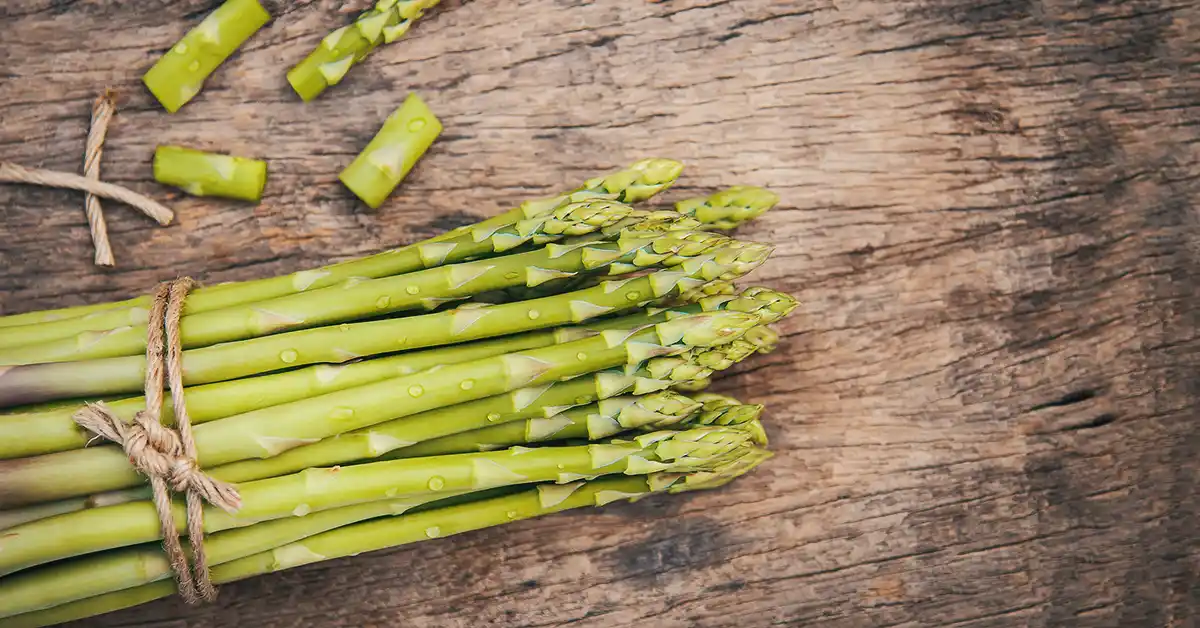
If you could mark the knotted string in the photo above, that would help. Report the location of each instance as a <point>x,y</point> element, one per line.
<point>168,457</point>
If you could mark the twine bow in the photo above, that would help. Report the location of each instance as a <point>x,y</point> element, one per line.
<point>167,457</point>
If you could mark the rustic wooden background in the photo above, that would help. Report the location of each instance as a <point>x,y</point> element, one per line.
<point>985,409</point>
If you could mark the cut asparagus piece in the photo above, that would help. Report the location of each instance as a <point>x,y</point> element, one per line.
<point>392,153</point>
<point>201,173</point>
<point>319,489</point>
<point>638,182</point>
<point>408,528</point>
<point>271,431</point>
<point>180,73</point>
<point>388,21</point>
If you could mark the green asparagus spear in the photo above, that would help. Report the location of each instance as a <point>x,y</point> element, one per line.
<point>42,382</point>
<point>638,182</point>
<point>271,431</point>
<point>126,568</point>
<point>388,21</point>
<point>97,574</point>
<point>46,316</point>
<point>428,289</point>
<point>410,527</point>
<point>381,441</point>
<point>540,405</point>
<point>596,421</point>
<point>47,432</point>
<point>729,208</point>
<point>336,344</point>
<point>319,489</point>
<point>392,153</point>
<point>180,74</point>
<point>210,174</point>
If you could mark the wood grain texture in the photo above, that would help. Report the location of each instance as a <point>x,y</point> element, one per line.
<point>985,409</point>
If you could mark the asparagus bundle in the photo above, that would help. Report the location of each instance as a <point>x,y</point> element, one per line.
<point>530,363</point>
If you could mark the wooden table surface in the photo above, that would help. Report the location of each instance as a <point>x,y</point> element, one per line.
<point>985,409</point>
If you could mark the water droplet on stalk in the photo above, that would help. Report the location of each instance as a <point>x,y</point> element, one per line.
<point>467,384</point>
<point>436,483</point>
<point>383,302</point>
<point>289,356</point>
<point>432,532</point>
<point>412,290</point>
<point>415,391</point>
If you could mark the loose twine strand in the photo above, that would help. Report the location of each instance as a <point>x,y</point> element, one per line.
<point>167,457</point>
<point>12,173</point>
<point>102,113</point>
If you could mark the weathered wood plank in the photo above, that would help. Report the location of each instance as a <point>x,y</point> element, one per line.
<point>984,411</point>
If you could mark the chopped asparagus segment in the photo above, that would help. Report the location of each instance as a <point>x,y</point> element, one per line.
<point>392,153</point>
<point>202,173</point>
<point>332,59</point>
<point>180,73</point>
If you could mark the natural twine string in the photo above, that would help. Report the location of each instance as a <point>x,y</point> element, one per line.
<point>166,457</point>
<point>102,113</point>
<point>12,173</point>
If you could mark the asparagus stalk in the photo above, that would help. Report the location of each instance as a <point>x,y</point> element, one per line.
<point>336,344</point>
<point>319,489</point>
<point>210,174</point>
<point>54,431</point>
<point>660,410</point>
<point>429,289</point>
<point>407,528</point>
<point>56,314</point>
<point>729,208</point>
<point>180,74</point>
<point>386,441</point>
<point>97,574</point>
<point>134,566</point>
<point>388,21</point>
<point>568,217</point>
<point>391,440</point>
<point>638,182</point>
<point>271,431</point>
<point>41,382</point>
<point>392,153</point>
